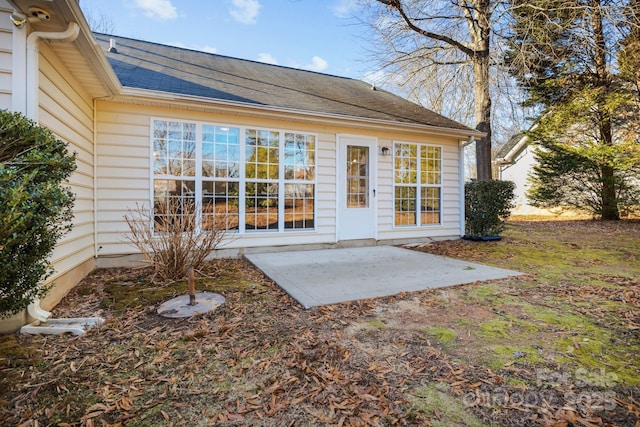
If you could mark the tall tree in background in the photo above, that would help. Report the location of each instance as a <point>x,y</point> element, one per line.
<point>564,54</point>
<point>629,58</point>
<point>449,34</point>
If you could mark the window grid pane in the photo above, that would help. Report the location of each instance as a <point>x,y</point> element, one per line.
<point>220,205</point>
<point>299,157</point>
<point>262,154</point>
<point>299,172</point>
<point>405,205</point>
<point>406,163</point>
<point>174,200</point>
<point>417,177</point>
<point>430,206</point>
<point>220,151</point>
<point>174,151</point>
<point>261,206</point>
<point>430,165</point>
<point>174,148</point>
<point>357,177</point>
<point>299,206</point>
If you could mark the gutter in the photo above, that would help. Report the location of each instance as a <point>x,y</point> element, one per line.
<point>32,106</point>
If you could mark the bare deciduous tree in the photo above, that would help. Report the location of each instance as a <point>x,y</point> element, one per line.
<point>99,21</point>
<point>454,36</point>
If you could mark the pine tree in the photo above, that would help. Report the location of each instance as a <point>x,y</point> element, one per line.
<point>563,54</point>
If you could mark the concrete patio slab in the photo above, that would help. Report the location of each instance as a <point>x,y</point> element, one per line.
<point>330,276</point>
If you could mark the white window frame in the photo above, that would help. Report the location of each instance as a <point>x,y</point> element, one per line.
<point>242,179</point>
<point>417,185</point>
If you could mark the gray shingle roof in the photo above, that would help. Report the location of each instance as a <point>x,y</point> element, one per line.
<point>145,65</point>
<point>509,145</point>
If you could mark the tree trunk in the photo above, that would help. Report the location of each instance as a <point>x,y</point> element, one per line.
<point>477,14</point>
<point>482,115</point>
<point>609,197</point>
<point>480,31</point>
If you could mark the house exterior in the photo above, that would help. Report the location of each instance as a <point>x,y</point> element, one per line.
<point>289,158</point>
<point>514,162</point>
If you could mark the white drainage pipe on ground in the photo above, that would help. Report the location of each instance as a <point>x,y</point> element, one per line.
<point>74,325</point>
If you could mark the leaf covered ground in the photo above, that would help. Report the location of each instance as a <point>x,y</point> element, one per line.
<point>559,346</point>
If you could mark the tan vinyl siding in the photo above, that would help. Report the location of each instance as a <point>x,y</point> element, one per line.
<point>67,110</point>
<point>450,190</point>
<point>6,48</point>
<point>122,172</point>
<point>450,202</point>
<point>124,176</point>
<point>384,189</point>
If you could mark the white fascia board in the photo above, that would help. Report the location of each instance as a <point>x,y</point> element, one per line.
<point>91,49</point>
<point>509,157</point>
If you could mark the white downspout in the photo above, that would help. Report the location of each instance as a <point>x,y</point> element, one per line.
<point>33,70</point>
<point>461,147</point>
<point>95,179</point>
<point>32,106</point>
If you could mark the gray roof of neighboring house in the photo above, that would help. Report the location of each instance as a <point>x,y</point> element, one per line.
<point>509,145</point>
<point>145,65</point>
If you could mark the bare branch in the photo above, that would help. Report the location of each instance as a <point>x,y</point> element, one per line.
<point>397,6</point>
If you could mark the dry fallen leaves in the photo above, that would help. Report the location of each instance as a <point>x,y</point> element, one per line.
<point>263,360</point>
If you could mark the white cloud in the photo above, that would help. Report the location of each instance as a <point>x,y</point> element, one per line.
<point>345,8</point>
<point>161,10</point>
<point>245,11</point>
<point>267,58</point>
<point>317,64</point>
<point>205,48</point>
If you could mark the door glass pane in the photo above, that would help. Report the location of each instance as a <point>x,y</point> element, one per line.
<point>357,176</point>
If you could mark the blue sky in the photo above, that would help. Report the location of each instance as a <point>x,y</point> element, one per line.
<point>317,35</point>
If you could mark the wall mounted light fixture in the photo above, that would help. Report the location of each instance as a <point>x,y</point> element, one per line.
<point>385,151</point>
<point>18,19</point>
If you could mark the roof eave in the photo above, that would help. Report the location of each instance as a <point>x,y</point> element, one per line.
<point>62,14</point>
<point>151,96</point>
<point>511,154</point>
<point>93,50</point>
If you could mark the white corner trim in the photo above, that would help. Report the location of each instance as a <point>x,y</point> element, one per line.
<point>19,70</point>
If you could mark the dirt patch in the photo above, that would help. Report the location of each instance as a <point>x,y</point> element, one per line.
<point>431,316</point>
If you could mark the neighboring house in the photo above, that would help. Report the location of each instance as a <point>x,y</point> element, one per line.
<point>514,162</point>
<point>291,157</point>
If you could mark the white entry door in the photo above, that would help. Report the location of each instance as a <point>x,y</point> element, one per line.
<point>356,188</point>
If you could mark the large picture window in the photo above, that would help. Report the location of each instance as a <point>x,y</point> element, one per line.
<point>417,184</point>
<point>253,179</point>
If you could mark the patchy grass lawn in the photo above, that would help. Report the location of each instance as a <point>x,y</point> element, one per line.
<point>559,346</point>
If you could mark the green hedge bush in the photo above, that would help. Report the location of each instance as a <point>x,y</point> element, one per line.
<point>487,206</point>
<point>35,207</point>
